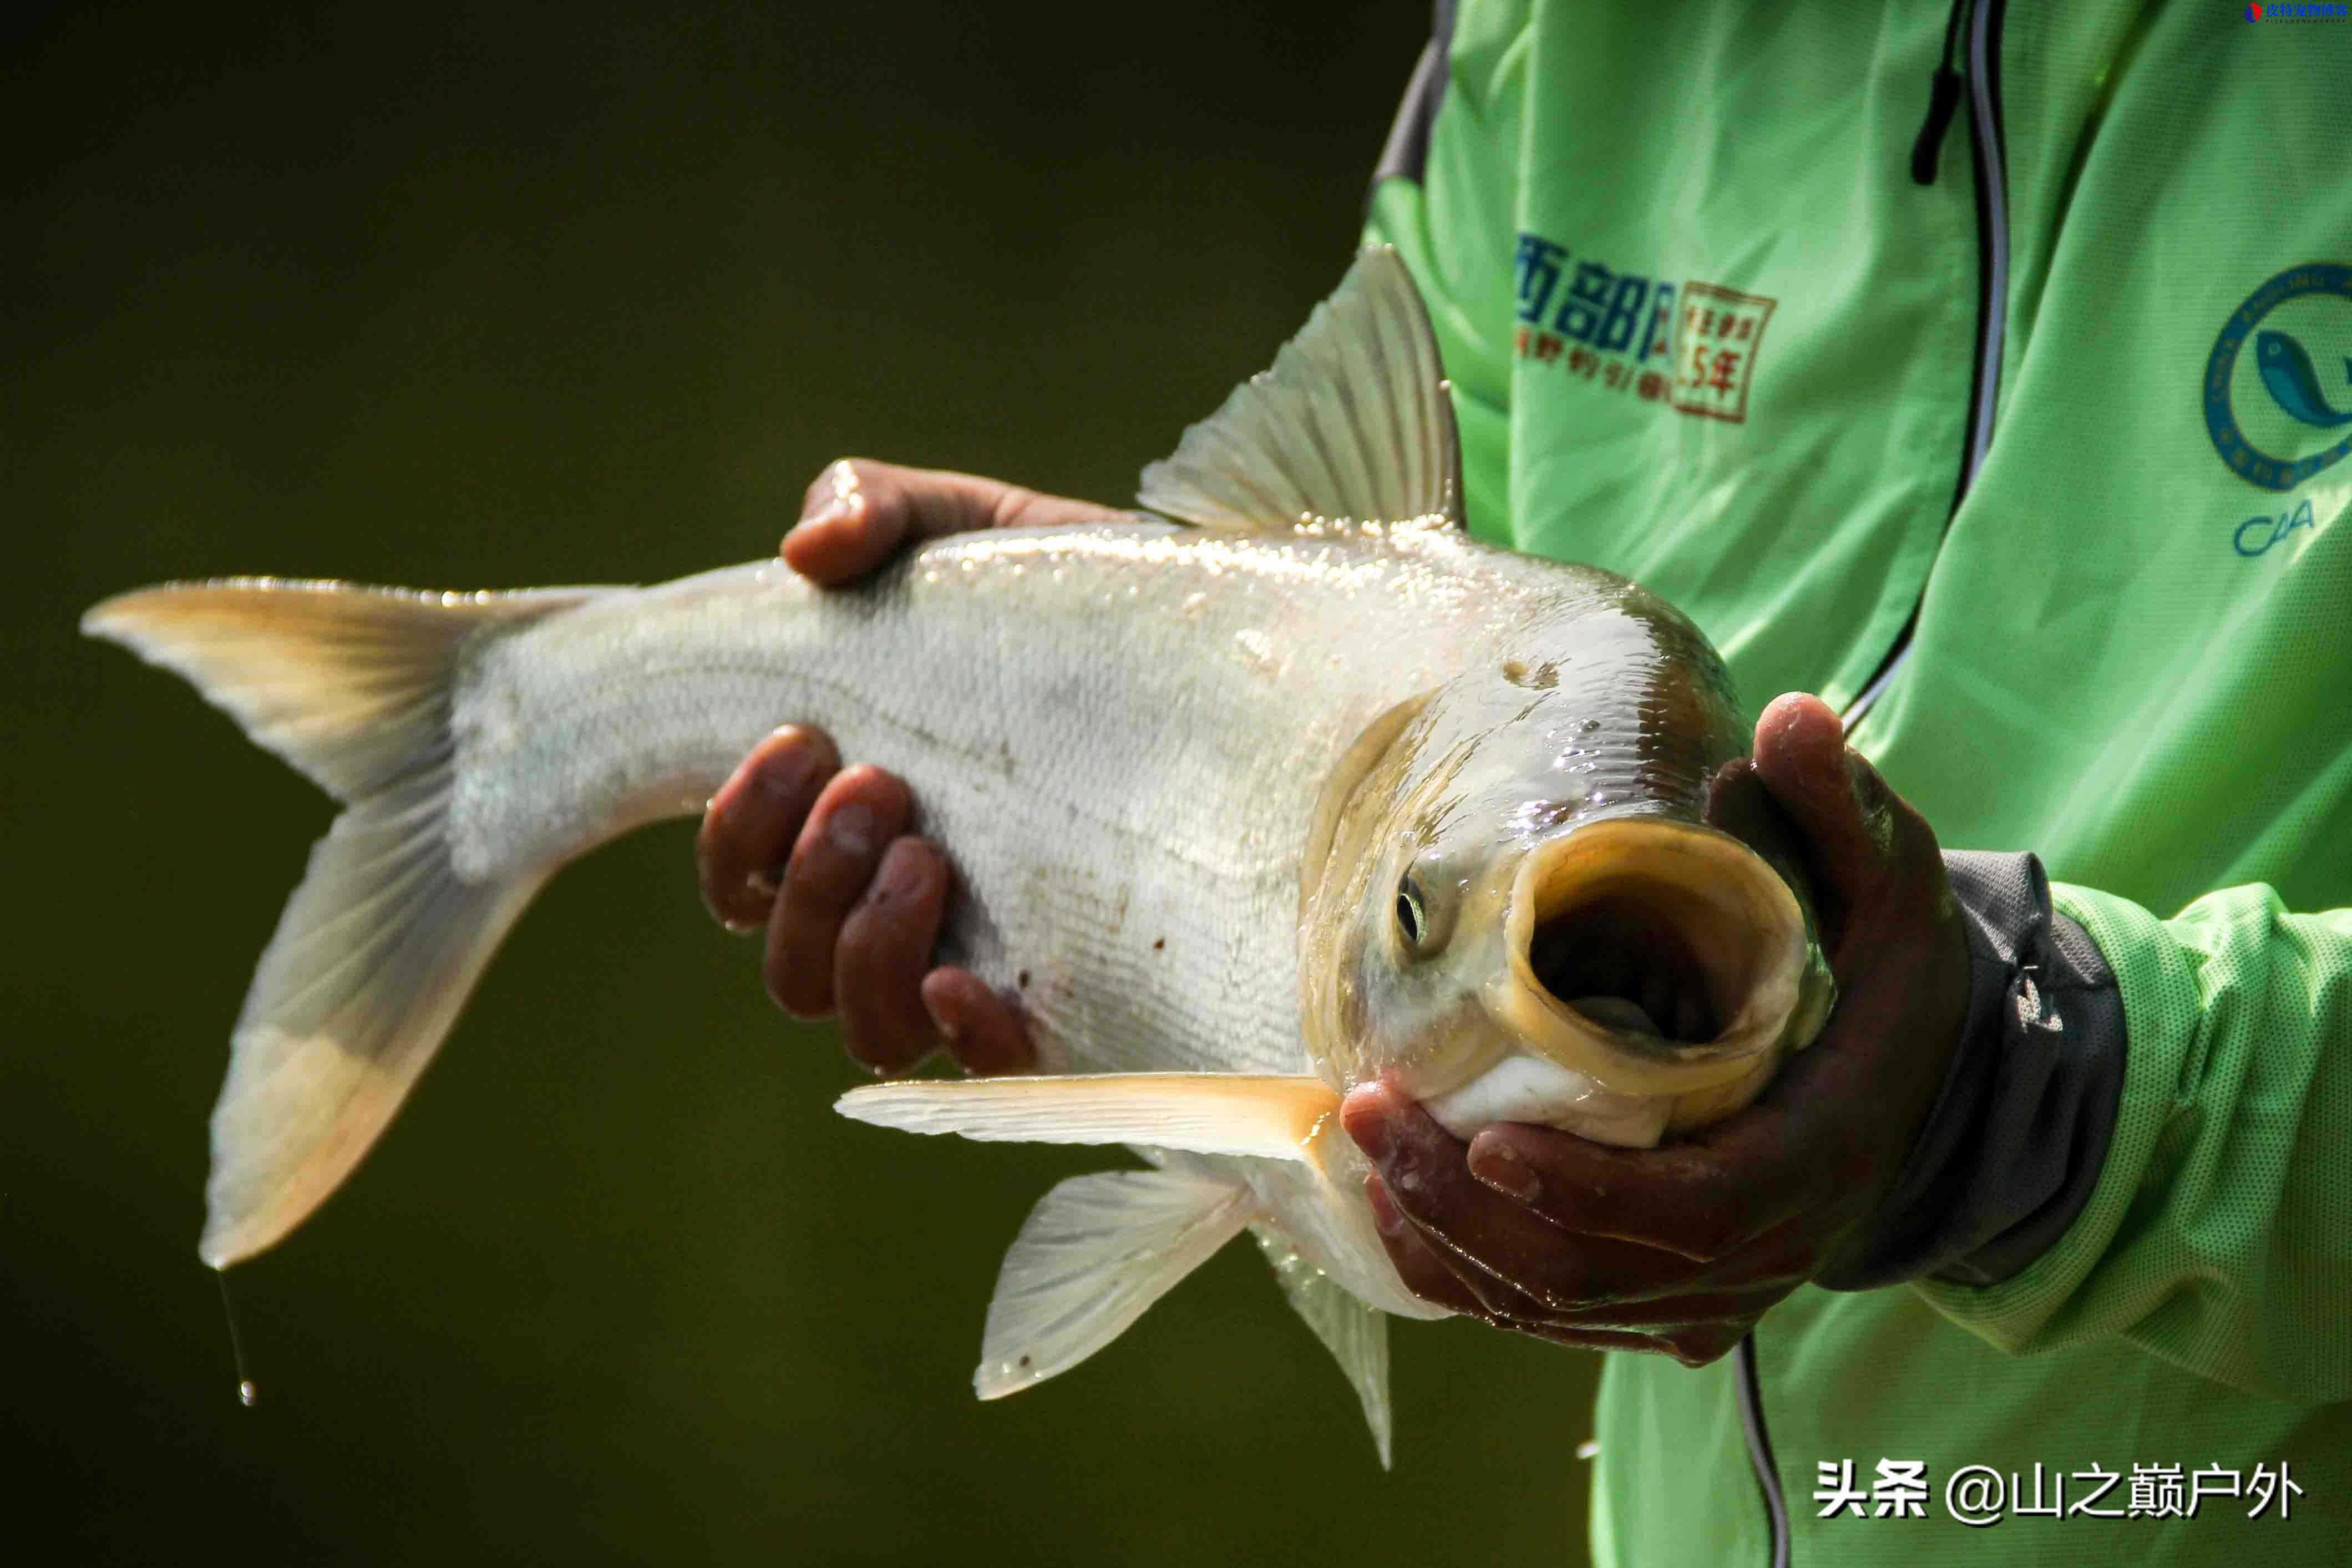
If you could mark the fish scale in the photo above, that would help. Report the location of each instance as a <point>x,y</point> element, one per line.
<point>1245,811</point>
<point>1098,789</point>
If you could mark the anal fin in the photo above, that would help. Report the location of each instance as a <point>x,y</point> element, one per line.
<point>1092,1256</point>
<point>1354,1331</point>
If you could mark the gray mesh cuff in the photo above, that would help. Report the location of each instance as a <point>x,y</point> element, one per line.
<point>2017,1137</point>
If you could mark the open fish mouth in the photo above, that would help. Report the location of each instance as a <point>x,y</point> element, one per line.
<point>1655,966</point>
<point>1648,926</point>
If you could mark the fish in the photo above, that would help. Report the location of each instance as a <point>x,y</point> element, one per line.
<point>2293,381</point>
<point>1280,785</point>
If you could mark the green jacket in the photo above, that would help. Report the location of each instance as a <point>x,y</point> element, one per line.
<point>1705,328</point>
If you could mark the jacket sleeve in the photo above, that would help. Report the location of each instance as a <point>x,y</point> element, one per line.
<point>2218,1232</point>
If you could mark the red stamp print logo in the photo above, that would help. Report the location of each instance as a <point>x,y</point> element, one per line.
<point>1688,347</point>
<point>1714,351</point>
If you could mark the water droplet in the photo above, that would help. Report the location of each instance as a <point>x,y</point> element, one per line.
<point>246,1391</point>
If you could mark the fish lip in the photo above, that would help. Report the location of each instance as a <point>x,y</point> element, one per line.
<point>1739,892</point>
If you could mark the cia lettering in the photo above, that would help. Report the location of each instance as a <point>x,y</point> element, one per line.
<point>2257,534</point>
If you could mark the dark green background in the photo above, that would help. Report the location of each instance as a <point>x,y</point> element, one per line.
<point>516,294</point>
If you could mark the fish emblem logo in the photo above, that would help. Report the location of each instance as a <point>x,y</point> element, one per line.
<point>2263,412</point>
<point>2293,383</point>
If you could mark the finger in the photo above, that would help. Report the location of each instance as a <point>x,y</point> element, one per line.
<point>1591,1339</point>
<point>1691,1346</point>
<point>1700,1346</point>
<point>859,512</point>
<point>1678,1314</point>
<point>855,814</point>
<point>1700,1199</point>
<point>749,825</point>
<point>886,945</point>
<point>984,1032</point>
<point>1430,1180</point>
<point>1418,1264</point>
<point>1435,1277</point>
<point>1438,1272</point>
<point>1864,843</point>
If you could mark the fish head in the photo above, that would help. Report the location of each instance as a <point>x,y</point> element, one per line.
<point>1537,894</point>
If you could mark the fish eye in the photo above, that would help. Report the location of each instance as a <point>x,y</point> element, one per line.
<point>1412,919</point>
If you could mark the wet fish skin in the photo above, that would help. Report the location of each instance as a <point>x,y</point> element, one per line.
<point>1115,730</point>
<point>1182,771</point>
<point>1125,812</point>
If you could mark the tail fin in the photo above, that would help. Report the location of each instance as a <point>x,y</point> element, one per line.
<point>383,941</point>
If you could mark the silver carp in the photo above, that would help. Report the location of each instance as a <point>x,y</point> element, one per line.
<point>1247,807</point>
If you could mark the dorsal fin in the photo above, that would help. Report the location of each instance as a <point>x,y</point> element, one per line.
<point>1354,422</point>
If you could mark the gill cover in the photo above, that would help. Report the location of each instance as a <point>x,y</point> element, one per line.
<point>1610,965</point>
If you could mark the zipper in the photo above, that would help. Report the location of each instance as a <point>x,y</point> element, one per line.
<point>1992,300</point>
<point>1759,1450</point>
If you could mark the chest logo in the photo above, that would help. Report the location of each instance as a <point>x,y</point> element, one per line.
<point>2278,385</point>
<point>1687,346</point>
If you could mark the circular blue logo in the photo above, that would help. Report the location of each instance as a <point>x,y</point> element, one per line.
<point>2291,394</point>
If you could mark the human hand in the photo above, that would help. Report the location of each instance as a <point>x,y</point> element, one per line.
<point>821,857</point>
<point>1680,1248</point>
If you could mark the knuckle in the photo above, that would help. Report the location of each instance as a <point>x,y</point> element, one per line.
<point>913,875</point>
<point>1013,506</point>
<point>892,924</point>
<point>822,881</point>
<point>859,954</point>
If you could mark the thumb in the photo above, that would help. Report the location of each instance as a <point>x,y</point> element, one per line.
<point>1861,838</point>
<point>858,513</point>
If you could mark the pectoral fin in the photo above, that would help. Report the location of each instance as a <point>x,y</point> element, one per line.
<point>1202,1113</point>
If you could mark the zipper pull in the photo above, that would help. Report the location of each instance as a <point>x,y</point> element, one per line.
<point>1942,100</point>
<point>1943,97</point>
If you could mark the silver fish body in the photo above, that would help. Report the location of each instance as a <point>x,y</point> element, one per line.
<point>1119,731</point>
<point>1243,813</point>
